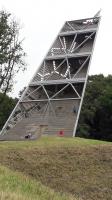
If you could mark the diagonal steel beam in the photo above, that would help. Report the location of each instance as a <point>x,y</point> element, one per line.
<point>45,110</point>
<point>56,68</point>
<point>63,89</point>
<point>49,100</point>
<point>81,66</point>
<point>62,45</point>
<point>78,27</point>
<point>83,42</point>
<point>44,68</point>
<point>59,91</point>
<point>70,26</point>
<point>72,45</point>
<point>68,67</point>
<point>32,109</point>
<point>75,90</point>
<point>33,91</point>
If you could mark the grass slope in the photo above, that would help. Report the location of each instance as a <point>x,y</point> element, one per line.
<point>54,166</point>
<point>16,186</point>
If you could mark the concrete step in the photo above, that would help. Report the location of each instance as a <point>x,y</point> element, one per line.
<point>37,124</point>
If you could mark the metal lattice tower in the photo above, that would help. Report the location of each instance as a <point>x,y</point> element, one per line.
<point>53,99</point>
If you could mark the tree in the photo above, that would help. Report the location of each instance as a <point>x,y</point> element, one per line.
<point>11,52</point>
<point>103,115</point>
<point>6,108</point>
<point>96,114</point>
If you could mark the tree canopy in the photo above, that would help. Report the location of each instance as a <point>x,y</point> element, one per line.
<point>6,107</point>
<point>96,114</point>
<point>11,51</point>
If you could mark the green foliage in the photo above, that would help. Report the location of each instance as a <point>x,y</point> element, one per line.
<point>17,186</point>
<point>6,107</point>
<point>11,51</point>
<point>96,115</point>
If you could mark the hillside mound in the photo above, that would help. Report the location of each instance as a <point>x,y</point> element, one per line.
<point>78,168</point>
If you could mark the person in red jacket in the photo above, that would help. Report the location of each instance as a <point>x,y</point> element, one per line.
<point>61,133</point>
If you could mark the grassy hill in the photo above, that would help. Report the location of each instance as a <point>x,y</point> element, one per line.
<point>55,168</point>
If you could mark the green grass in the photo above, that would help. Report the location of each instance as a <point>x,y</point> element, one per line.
<point>56,168</point>
<point>47,141</point>
<point>16,186</point>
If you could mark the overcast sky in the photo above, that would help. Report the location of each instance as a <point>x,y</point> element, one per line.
<point>41,21</point>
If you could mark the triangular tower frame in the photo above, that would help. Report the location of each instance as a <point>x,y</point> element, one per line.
<point>57,88</point>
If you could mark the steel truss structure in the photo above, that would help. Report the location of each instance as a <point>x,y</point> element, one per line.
<point>53,99</point>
